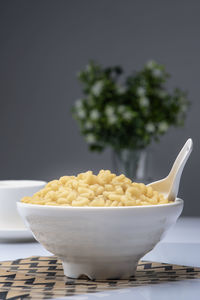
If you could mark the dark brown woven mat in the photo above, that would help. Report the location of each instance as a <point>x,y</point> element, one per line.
<point>43,278</point>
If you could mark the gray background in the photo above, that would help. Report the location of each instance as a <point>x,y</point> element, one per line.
<point>44,44</point>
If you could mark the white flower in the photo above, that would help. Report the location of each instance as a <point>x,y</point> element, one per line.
<point>141,91</point>
<point>80,110</point>
<point>121,109</point>
<point>184,108</point>
<point>157,73</point>
<point>112,119</point>
<point>150,127</point>
<point>97,88</point>
<point>88,125</point>
<point>78,103</point>
<point>94,115</point>
<point>90,138</point>
<point>151,64</point>
<point>109,111</point>
<point>144,102</point>
<point>163,126</point>
<point>81,113</point>
<point>111,115</point>
<point>127,115</point>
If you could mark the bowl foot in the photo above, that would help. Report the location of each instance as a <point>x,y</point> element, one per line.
<point>94,270</point>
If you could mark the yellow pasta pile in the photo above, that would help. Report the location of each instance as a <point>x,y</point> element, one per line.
<point>104,189</point>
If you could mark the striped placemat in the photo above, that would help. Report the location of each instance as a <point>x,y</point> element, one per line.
<point>43,278</point>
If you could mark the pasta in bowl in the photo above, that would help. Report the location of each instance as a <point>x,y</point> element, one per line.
<point>104,189</point>
<point>101,241</point>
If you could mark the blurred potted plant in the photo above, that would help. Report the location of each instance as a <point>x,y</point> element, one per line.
<point>127,116</point>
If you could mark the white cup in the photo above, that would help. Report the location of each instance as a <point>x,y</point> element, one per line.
<point>11,191</point>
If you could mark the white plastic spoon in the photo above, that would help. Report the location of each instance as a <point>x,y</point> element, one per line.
<point>169,186</point>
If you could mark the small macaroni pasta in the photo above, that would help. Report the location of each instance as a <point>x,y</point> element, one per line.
<point>104,189</point>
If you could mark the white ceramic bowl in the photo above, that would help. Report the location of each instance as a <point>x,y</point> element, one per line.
<point>100,242</point>
<point>12,191</point>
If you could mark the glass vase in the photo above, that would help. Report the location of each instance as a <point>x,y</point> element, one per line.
<point>135,164</point>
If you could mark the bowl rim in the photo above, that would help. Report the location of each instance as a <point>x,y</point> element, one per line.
<point>177,202</point>
<point>20,184</point>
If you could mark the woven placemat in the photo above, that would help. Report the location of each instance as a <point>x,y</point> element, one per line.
<point>43,278</point>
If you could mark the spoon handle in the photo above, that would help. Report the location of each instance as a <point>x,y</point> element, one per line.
<point>177,169</point>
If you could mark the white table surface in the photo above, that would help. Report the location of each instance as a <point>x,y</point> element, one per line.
<point>180,246</point>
